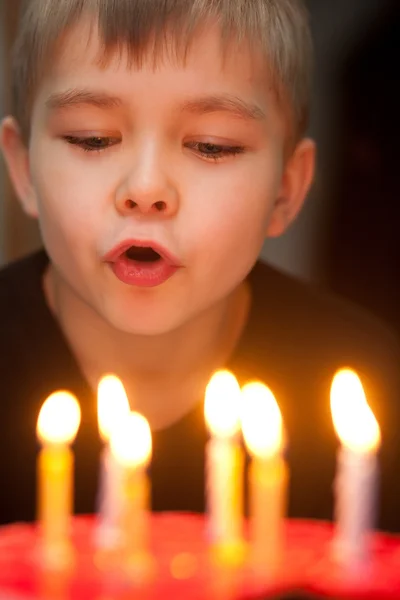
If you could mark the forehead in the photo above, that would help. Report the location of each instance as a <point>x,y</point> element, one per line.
<point>206,61</point>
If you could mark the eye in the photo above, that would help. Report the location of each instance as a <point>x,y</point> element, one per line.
<point>92,143</point>
<point>215,152</point>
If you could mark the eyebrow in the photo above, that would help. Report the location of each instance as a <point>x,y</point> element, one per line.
<point>233,105</point>
<point>76,97</point>
<point>225,103</point>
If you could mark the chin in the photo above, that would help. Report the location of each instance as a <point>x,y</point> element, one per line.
<point>146,323</point>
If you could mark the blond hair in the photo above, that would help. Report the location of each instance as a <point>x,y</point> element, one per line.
<point>279,28</point>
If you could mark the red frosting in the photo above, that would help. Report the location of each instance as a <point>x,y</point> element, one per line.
<point>184,569</point>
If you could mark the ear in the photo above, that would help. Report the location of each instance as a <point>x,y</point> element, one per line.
<point>17,159</point>
<point>297,178</point>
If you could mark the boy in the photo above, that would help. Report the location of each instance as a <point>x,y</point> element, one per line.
<point>158,143</point>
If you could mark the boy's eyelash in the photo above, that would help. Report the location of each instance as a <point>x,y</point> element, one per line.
<point>91,144</point>
<point>214,152</point>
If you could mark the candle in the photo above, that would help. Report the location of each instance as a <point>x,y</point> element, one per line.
<point>268,477</point>
<point>57,426</point>
<point>131,446</point>
<point>224,467</point>
<point>113,405</point>
<point>357,469</point>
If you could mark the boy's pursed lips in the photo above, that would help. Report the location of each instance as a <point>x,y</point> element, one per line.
<point>142,263</point>
<point>123,247</point>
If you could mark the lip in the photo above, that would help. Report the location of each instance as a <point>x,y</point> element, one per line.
<point>115,254</point>
<point>141,274</point>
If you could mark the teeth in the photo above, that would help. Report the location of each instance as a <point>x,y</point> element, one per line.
<point>142,254</point>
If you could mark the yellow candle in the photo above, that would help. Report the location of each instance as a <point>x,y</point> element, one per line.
<point>224,467</point>
<point>57,426</point>
<point>113,406</point>
<point>356,480</point>
<point>268,479</point>
<point>131,446</point>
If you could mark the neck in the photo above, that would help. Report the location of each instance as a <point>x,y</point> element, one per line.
<point>164,375</point>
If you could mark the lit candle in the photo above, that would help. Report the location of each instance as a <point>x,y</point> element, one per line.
<point>57,426</point>
<point>357,469</point>
<point>112,406</point>
<point>268,477</point>
<point>131,446</point>
<point>224,467</point>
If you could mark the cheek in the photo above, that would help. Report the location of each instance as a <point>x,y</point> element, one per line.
<point>68,196</point>
<point>234,208</point>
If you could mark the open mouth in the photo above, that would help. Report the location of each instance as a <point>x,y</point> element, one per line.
<point>144,255</point>
<point>142,264</point>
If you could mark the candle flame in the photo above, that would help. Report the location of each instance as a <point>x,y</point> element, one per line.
<point>222,405</point>
<point>59,419</point>
<point>353,419</point>
<point>131,442</point>
<point>261,420</point>
<point>112,405</point>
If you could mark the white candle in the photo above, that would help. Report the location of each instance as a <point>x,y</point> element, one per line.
<point>131,447</point>
<point>356,480</point>
<point>268,480</point>
<point>113,406</point>
<point>57,426</point>
<point>224,467</point>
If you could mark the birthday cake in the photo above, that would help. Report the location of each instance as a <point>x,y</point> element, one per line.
<point>184,567</point>
<point>218,556</point>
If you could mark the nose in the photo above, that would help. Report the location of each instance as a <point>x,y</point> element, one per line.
<point>147,189</point>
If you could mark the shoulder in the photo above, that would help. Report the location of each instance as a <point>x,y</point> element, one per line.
<point>20,296</point>
<point>305,313</point>
<point>309,334</point>
<point>21,274</point>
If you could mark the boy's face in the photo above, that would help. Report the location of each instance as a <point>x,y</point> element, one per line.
<point>189,158</point>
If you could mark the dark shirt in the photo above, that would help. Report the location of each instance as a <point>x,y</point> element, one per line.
<point>295,338</point>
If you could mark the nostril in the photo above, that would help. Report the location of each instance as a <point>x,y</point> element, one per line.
<point>130,204</point>
<point>160,206</point>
